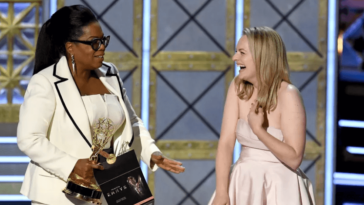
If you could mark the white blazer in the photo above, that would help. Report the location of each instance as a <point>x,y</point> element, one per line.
<point>53,126</point>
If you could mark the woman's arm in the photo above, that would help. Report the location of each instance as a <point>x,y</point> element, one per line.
<point>35,118</point>
<point>226,141</point>
<point>293,126</point>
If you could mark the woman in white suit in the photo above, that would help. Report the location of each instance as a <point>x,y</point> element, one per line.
<point>70,89</point>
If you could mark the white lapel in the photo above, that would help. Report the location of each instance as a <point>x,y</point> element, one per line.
<point>71,99</point>
<point>112,82</point>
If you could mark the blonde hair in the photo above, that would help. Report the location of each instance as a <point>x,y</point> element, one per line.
<point>270,58</point>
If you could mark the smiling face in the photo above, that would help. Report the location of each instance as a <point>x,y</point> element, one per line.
<point>85,57</point>
<point>244,59</point>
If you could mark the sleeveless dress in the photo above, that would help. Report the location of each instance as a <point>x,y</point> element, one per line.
<point>259,178</point>
<point>104,106</point>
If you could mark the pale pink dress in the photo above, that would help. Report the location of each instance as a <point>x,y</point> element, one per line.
<point>259,178</point>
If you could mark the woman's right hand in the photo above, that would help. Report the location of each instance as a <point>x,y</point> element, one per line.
<point>85,168</point>
<point>221,199</point>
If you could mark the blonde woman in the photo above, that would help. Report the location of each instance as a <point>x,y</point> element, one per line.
<point>265,113</point>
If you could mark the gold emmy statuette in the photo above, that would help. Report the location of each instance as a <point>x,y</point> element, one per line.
<point>87,189</point>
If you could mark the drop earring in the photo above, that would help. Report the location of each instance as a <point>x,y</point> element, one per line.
<point>73,63</point>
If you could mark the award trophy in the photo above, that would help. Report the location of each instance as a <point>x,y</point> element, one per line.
<point>87,189</point>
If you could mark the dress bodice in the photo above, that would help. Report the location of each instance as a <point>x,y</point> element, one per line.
<point>104,106</point>
<point>246,136</point>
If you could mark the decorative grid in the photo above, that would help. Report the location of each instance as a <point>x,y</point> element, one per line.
<point>180,61</point>
<point>302,62</point>
<point>19,27</point>
<point>128,62</point>
<point>164,62</point>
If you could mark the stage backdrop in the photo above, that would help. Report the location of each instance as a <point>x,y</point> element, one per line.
<point>302,25</point>
<point>191,45</point>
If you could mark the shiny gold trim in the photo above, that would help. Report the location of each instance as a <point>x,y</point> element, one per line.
<point>138,22</point>
<point>200,149</point>
<point>321,106</point>
<point>188,150</point>
<point>138,47</point>
<point>121,56</point>
<point>172,145</point>
<point>10,27</point>
<point>304,57</point>
<point>192,66</point>
<point>322,28</point>
<point>189,56</point>
<point>320,134</point>
<point>124,61</point>
<point>60,4</point>
<point>137,87</point>
<point>152,101</point>
<point>246,13</point>
<point>304,61</point>
<point>9,113</point>
<point>320,173</point>
<point>153,27</point>
<point>230,26</point>
<point>152,117</point>
<point>312,150</point>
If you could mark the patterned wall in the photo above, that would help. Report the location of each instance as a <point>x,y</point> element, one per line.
<point>302,25</point>
<point>192,42</point>
<point>19,26</point>
<point>191,68</point>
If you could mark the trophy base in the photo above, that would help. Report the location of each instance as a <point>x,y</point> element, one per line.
<point>83,193</point>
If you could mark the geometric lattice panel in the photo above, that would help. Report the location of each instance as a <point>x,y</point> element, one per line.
<point>305,41</point>
<point>195,186</point>
<point>19,28</point>
<point>191,69</point>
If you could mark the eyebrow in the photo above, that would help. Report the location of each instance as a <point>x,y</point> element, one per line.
<point>96,36</point>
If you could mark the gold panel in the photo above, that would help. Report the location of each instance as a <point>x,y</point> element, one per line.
<point>60,4</point>
<point>304,61</point>
<point>206,150</point>
<point>11,26</point>
<point>186,150</point>
<point>322,27</point>
<point>9,113</point>
<point>246,13</point>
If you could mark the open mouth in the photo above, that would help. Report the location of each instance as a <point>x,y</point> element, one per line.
<point>98,56</point>
<point>242,67</point>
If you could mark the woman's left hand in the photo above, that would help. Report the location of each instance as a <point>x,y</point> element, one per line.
<point>166,164</point>
<point>256,120</point>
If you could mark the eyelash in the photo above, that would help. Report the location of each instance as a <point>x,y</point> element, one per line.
<point>240,52</point>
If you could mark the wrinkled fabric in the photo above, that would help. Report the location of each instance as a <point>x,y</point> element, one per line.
<point>259,178</point>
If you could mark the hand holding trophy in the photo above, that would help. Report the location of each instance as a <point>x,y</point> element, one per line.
<point>83,186</point>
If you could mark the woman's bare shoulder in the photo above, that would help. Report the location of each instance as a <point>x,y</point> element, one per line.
<point>288,93</point>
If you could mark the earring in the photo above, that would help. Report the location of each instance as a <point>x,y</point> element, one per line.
<point>73,63</point>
